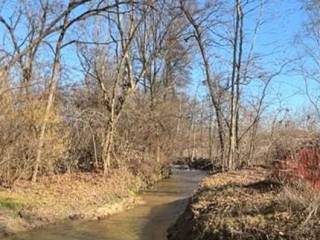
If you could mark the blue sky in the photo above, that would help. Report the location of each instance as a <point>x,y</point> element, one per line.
<point>284,19</point>
<point>288,21</point>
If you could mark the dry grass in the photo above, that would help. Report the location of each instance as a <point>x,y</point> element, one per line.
<point>243,177</point>
<point>248,205</point>
<point>66,194</point>
<point>74,196</point>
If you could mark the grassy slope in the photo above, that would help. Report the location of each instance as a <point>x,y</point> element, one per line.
<point>246,205</point>
<point>77,196</point>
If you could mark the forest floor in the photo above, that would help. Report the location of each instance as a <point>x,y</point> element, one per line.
<point>71,196</point>
<point>247,204</point>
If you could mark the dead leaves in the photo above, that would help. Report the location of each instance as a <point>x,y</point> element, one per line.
<point>245,205</point>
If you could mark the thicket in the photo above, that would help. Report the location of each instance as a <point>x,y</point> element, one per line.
<point>98,85</point>
<point>117,106</point>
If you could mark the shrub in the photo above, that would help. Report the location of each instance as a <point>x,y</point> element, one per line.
<point>302,164</point>
<point>20,121</point>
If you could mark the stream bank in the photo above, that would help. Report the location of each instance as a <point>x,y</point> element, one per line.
<point>248,204</point>
<point>164,202</point>
<point>81,196</point>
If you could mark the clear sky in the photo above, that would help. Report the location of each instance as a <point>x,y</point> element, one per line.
<point>284,19</point>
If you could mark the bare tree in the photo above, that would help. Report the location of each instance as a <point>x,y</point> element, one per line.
<point>67,23</point>
<point>213,86</point>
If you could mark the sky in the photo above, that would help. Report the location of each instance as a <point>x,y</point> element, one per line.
<point>284,19</point>
<point>280,32</point>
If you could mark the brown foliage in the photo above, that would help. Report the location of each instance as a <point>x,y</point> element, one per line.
<point>19,127</point>
<point>300,163</point>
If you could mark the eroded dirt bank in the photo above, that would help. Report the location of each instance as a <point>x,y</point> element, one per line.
<point>71,197</point>
<point>248,205</point>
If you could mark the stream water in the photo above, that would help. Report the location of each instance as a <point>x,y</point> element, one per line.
<point>163,204</point>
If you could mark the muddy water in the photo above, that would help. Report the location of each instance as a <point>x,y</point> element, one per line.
<point>164,203</point>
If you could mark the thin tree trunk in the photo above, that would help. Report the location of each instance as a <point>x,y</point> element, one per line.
<point>109,151</point>
<point>96,164</point>
<point>211,131</point>
<point>252,144</point>
<point>239,66</point>
<point>52,89</point>
<point>193,142</point>
<point>177,138</point>
<point>235,89</point>
<point>40,146</point>
<point>212,86</point>
<point>109,140</point>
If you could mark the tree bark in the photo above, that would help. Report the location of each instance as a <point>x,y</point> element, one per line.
<point>235,89</point>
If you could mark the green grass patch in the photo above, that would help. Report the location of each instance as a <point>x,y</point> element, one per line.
<point>9,203</point>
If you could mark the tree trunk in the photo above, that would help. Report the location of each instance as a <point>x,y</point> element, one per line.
<point>109,141</point>
<point>213,86</point>
<point>56,68</point>
<point>211,131</point>
<point>55,78</point>
<point>235,90</point>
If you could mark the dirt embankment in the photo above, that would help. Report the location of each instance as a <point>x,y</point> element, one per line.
<point>248,205</point>
<point>76,196</point>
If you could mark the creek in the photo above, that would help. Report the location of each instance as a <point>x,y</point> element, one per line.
<point>164,202</point>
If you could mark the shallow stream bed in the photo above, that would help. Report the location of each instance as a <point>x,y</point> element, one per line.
<point>163,204</point>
